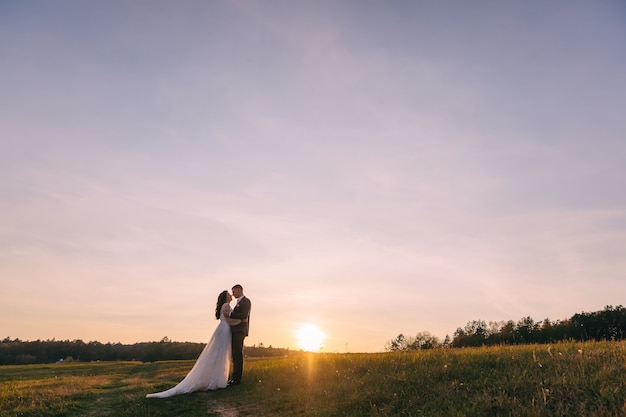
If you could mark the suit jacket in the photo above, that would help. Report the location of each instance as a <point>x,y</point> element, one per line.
<point>242,312</point>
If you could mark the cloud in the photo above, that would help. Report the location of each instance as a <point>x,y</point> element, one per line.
<point>381,169</point>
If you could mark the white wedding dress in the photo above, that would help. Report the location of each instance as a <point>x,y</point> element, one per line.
<point>210,371</point>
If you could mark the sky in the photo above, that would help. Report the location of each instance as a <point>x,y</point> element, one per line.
<point>365,168</point>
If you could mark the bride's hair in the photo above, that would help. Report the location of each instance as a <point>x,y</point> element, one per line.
<point>221,300</point>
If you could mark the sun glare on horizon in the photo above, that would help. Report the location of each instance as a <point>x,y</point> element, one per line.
<point>310,338</point>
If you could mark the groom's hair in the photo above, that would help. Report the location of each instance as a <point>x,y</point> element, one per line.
<point>237,286</point>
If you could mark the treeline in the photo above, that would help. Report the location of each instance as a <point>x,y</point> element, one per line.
<point>607,324</point>
<point>17,352</point>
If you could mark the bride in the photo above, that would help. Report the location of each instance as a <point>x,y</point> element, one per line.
<point>210,371</point>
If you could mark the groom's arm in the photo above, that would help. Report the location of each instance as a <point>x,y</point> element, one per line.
<point>242,311</point>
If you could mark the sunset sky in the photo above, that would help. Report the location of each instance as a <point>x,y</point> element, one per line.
<point>367,167</point>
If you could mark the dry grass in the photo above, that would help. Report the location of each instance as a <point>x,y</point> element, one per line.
<point>564,379</point>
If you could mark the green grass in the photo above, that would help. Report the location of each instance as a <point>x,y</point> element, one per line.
<point>564,379</point>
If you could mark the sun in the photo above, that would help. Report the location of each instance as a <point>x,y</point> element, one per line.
<point>310,338</point>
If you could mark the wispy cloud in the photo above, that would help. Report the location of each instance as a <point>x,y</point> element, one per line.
<point>408,167</point>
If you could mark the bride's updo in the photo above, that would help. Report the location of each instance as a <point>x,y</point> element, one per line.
<point>221,300</point>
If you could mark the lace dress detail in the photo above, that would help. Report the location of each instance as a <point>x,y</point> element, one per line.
<point>210,371</point>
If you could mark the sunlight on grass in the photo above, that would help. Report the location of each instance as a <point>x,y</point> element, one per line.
<point>53,393</point>
<point>531,380</point>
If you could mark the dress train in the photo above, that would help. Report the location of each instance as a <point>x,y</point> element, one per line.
<point>210,372</point>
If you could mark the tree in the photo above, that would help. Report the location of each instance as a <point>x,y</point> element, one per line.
<point>526,328</point>
<point>423,340</point>
<point>396,344</point>
<point>474,334</point>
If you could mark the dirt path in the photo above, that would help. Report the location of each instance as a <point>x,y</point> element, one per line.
<point>229,410</point>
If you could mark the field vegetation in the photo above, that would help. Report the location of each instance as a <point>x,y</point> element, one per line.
<point>561,379</point>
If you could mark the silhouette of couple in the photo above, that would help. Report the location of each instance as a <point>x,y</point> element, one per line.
<point>210,372</point>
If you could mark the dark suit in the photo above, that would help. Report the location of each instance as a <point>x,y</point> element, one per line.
<point>239,332</point>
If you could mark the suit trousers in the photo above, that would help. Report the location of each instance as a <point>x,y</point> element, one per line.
<point>237,353</point>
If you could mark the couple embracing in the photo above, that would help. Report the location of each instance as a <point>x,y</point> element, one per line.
<point>211,370</point>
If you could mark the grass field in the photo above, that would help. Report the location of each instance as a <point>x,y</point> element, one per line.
<point>564,379</point>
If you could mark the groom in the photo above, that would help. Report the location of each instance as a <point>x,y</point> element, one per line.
<point>239,332</point>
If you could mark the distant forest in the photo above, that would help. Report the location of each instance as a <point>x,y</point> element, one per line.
<point>608,324</point>
<point>17,352</point>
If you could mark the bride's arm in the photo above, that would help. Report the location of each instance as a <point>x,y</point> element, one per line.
<point>226,312</point>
